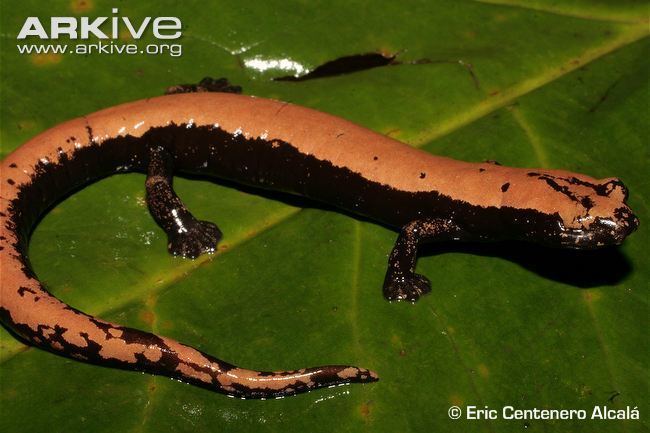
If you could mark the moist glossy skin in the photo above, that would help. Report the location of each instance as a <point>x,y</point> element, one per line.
<point>278,146</point>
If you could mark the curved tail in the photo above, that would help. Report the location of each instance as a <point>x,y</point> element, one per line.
<point>28,309</point>
<point>45,321</point>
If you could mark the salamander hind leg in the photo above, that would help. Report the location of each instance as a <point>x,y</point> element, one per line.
<point>401,282</point>
<point>187,236</point>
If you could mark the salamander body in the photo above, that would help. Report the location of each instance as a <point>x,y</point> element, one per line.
<point>279,146</point>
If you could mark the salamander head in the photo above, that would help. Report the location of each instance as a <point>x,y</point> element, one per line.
<point>600,218</point>
<point>570,210</point>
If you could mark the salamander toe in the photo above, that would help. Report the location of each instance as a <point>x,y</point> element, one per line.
<point>200,237</point>
<point>406,287</point>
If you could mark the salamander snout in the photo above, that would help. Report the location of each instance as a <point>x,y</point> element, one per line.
<point>603,231</point>
<point>612,231</point>
<point>626,221</point>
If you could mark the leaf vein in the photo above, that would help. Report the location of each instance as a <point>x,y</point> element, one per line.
<point>507,96</point>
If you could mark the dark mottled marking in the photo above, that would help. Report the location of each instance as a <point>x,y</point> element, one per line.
<point>13,165</point>
<point>481,170</point>
<point>599,189</point>
<point>505,187</point>
<point>423,175</point>
<point>22,290</point>
<point>11,182</point>
<point>375,158</point>
<point>89,131</point>
<point>560,188</point>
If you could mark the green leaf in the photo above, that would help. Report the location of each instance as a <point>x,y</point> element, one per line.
<point>540,83</point>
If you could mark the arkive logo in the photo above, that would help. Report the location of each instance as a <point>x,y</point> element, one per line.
<point>113,35</point>
<point>83,27</point>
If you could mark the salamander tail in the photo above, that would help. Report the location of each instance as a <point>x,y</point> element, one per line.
<point>29,310</point>
<point>243,383</point>
<point>45,321</point>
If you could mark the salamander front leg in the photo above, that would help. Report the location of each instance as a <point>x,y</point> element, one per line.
<point>401,282</point>
<point>187,236</point>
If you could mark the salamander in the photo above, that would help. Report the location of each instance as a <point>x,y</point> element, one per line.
<point>278,146</point>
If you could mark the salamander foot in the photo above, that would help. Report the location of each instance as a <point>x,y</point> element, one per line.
<point>197,238</point>
<point>406,287</point>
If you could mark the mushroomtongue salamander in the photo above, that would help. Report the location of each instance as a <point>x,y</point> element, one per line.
<point>278,146</point>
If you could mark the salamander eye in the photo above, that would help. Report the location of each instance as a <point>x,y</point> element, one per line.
<point>616,185</point>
